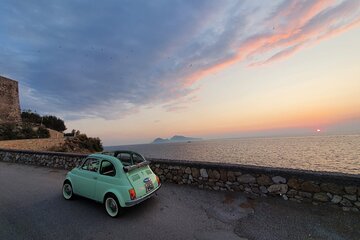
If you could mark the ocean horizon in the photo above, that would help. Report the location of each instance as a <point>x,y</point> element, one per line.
<point>330,153</point>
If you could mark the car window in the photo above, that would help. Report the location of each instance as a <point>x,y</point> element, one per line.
<point>125,158</point>
<point>107,168</point>
<point>137,158</point>
<point>91,164</point>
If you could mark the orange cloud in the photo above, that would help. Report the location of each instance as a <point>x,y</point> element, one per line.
<point>305,24</point>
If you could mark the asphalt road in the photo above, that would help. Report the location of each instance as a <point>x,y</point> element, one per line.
<point>32,207</point>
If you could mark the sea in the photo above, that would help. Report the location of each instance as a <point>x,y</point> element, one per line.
<point>337,153</point>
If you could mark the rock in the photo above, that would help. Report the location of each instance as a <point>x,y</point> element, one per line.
<point>291,193</point>
<point>354,209</point>
<point>195,172</point>
<point>190,178</point>
<point>329,195</point>
<point>223,175</point>
<point>188,170</point>
<point>304,194</point>
<point>263,189</point>
<point>158,171</point>
<point>216,174</point>
<point>285,197</point>
<point>168,176</point>
<point>336,199</point>
<point>294,183</point>
<point>247,189</point>
<point>321,197</point>
<point>345,203</point>
<point>264,180</point>
<point>332,188</point>
<point>350,190</point>
<point>237,174</point>
<point>216,188</point>
<point>203,173</point>
<point>231,176</point>
<point>357,204</point>
<point>278,179</point>
<point>278,188</point>
<point>219,184</point>
<point>351,197</point>
<point>310,187</point>
<point>246,178</point>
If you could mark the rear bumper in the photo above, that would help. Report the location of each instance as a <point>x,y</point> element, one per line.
<point>143,198</point>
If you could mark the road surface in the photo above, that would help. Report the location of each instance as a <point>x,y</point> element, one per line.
<point>32,207</point>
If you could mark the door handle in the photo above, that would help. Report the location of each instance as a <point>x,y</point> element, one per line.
<point>95,178</point>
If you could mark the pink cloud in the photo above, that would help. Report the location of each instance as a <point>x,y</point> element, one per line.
<point>296,25</point>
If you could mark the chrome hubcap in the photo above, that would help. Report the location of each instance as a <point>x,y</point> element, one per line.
<point>111,206</point>
<point>67,190</point>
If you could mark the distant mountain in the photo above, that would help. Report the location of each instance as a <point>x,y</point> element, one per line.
<point>175,138</point>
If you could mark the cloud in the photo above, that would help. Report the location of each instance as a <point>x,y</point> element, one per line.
<point>110,59</point>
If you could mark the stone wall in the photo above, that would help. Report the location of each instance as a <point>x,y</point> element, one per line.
<point>41,144</point>
<point>342,190</point>
<point>9,101</point>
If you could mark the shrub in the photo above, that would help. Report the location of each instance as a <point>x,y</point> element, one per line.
<point>49,121</point>
<point>10,131</point>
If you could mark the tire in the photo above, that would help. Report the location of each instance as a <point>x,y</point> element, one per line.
<point>67,191</point>
<point>112,206</point>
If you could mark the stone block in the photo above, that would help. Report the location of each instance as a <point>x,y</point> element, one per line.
<point>351,197</point>
<point>291,193</point>
<point>278,179</point>
<point>278,188</point>
<point>264,180</point>
<point>305,194</point>
<point>332,188</point>
<point>321,197</point>
<point>263,189</point>
<point>310,187</point>
<point>346,203</point>
<point>294,183</point>
<point>231,176</point>
<point>246,178</point>
<point>336,199</point>
<point>195,172</point>
<point>223,175</point>
<point>203,173</point>
<point>350,189</point>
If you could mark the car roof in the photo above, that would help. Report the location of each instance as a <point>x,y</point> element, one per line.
<point>111,154</point>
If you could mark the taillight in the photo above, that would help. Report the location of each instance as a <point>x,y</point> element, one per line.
<point>158,180</point>
<point>132,194</point>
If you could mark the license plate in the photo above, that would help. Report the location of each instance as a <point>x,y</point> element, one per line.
<point>149,186</point>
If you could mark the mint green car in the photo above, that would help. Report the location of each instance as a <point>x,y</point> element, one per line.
<point>117,179</point>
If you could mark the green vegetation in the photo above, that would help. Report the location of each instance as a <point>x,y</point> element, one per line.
<point>9,131</point>
<point>36,126</point>
<point>80,143</point>
<point>48,121</point>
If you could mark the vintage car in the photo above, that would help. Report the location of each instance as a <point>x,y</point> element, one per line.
<point>117,179</point>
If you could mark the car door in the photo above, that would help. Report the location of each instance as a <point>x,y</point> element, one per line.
<point>108,179</point>
<point>87,178</point>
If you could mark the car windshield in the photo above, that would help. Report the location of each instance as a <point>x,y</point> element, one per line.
<point>129,159</point>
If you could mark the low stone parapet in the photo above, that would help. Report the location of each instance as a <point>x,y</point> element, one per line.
<point>337,189</point>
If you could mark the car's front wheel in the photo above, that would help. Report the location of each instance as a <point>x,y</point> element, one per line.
<point>67,190</point>
<point>112,205</point>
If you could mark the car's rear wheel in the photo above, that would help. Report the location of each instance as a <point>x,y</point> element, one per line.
<point>112,206</point>
<point>67,191</point>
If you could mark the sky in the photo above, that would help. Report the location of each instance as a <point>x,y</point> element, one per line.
<point>131,71</point>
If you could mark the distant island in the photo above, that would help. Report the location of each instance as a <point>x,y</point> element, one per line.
<point>175,138</point>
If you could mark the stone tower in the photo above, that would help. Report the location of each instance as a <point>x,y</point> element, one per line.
<point>9,101</point>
